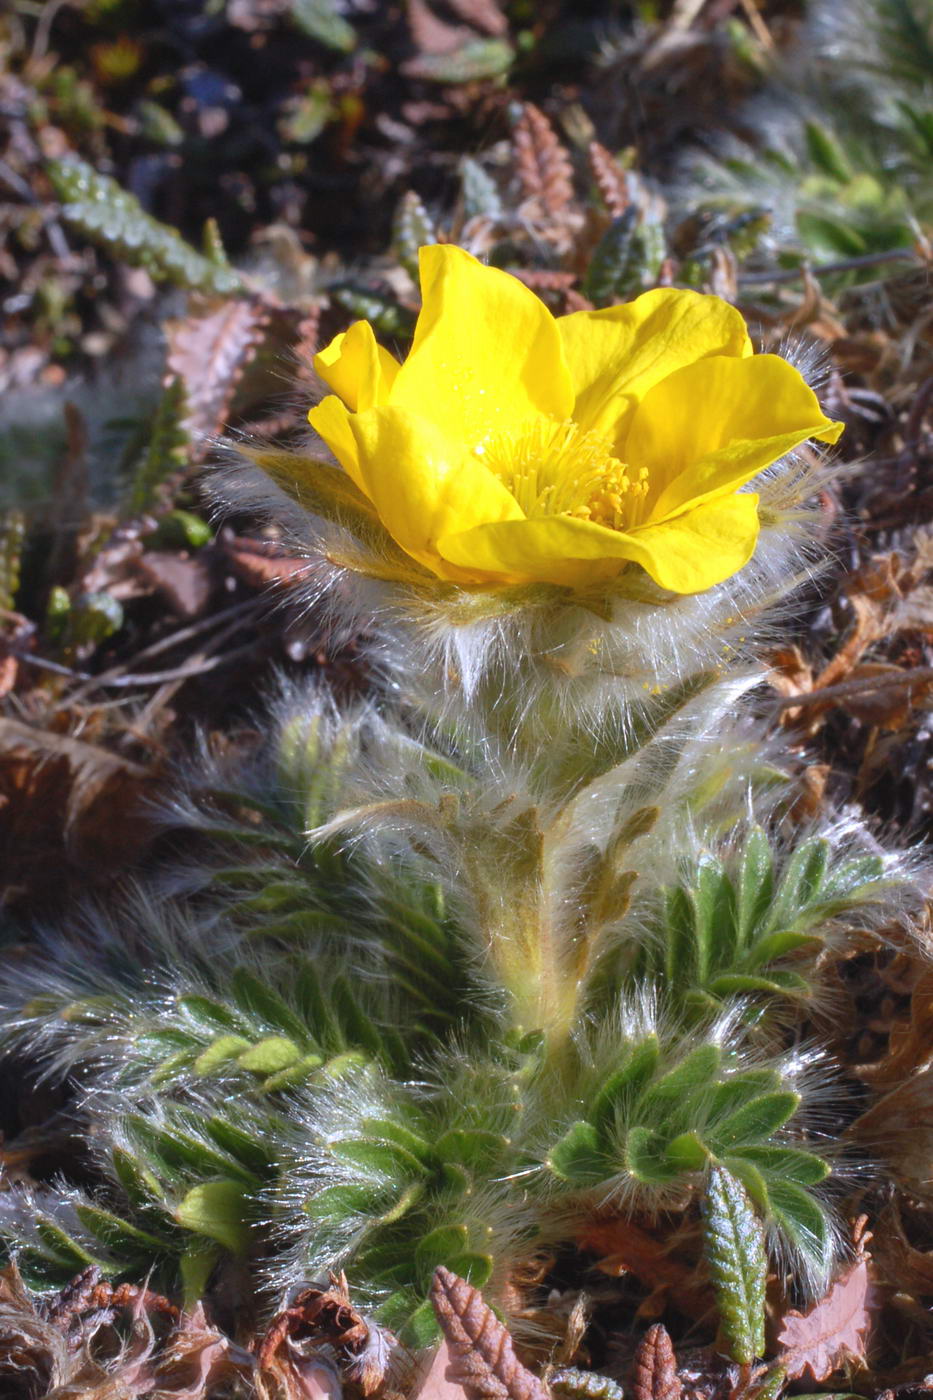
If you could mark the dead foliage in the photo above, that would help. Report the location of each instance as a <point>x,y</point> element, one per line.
<point>319,1324</point>
<point>831,1333</point>
<point>483,1359</point>
<point>655,1370</point>
<point>209,349</point>
<point>67,806</point>
<point>100,1343</point>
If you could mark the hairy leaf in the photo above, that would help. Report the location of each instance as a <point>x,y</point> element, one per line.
<point>735,1255</point>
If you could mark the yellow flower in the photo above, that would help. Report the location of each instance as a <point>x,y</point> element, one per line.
<point>513,447</point>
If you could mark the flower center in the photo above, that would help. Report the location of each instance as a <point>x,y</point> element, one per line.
<point>558,469</point>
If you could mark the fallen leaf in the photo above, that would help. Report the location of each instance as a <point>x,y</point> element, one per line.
<point>625,1248</point>
<point>831,1333</point>
<point>261,563</point>
<point>66,806</point>
<point>483,1357</point>
<point>654,1371</point>
<point>183,581</point>
<point>209,350</point>
<point>899,1129</point>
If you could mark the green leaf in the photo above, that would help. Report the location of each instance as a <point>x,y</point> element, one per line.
<point>412,229</point>
<point>397,1133</point>
<point>421,1328</point>
<point>577,1157</point>
<point>737,984</point>
<point>800,883</point>
<point>347,1063</point>
<point>402,1203</point>
<point>219,1210</point>
<point>359,1031</point>
<point>254,1149</point>
<point>687,1153</point>
<point>714,902</point>
<point>126,1240</point>
<point>755,884</point>
<point>343,1202</point>
<point>295,1074</point>
<point>610,267</point>
<point>270,1055</point>
<point>740,1089</point>
<point>695,1071</point>
<point>756,1121</point>
<point>62,1247</point>
<point>322,20</point>
<point>141,1187</point>
<point>826,153</point>
<point>211,1016</point>
<point>196,1266</point>
<point>474,1267</point>
<point>802,1220</point>
<point>175,1149</point>
<point>626,1082</point>
<point>751,1178</point>
<point>472,1147</point>
<point>785,1163</point>
<point>439,1247</point>
<point>166,450</point>
<point>778,945</point>
<point>385,1162</point>
<point>256,998</point>
<point>738,1267</point>
<point>97,206</point>
<point>645,1157</point>
<point>477,59</point>
<point>679,938</point>
<point>220,1052</point>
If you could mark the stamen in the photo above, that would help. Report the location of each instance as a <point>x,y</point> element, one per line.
<point>558,469</point>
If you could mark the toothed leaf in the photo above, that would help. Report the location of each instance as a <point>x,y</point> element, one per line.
<point>738,1269</point>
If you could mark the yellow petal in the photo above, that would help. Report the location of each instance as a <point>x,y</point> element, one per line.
<point>486,355</point>
<point>712,426</point>
<point>423,485</point>
<point>331,419</point>
<point>615,356</point>
<point>687,555</point>
<point>357,368</point>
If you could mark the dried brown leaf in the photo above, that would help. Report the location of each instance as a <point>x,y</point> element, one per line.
<point>831,1333</point>
<point>625,1248</point>
<point>910,1043</point>
<point>184,582</point>
<point>655,1367</point>
<point>195,1358</point>
<point>261,563</point>
<point>544,167</point>
<point>66,803</point>
<point>899,1128</point>
<point>209,350</point>
<point>483,1357</point>
<point>316,1318</point>
<point>484,14</point>
<point>431,34</point>
<point>610,179</point>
